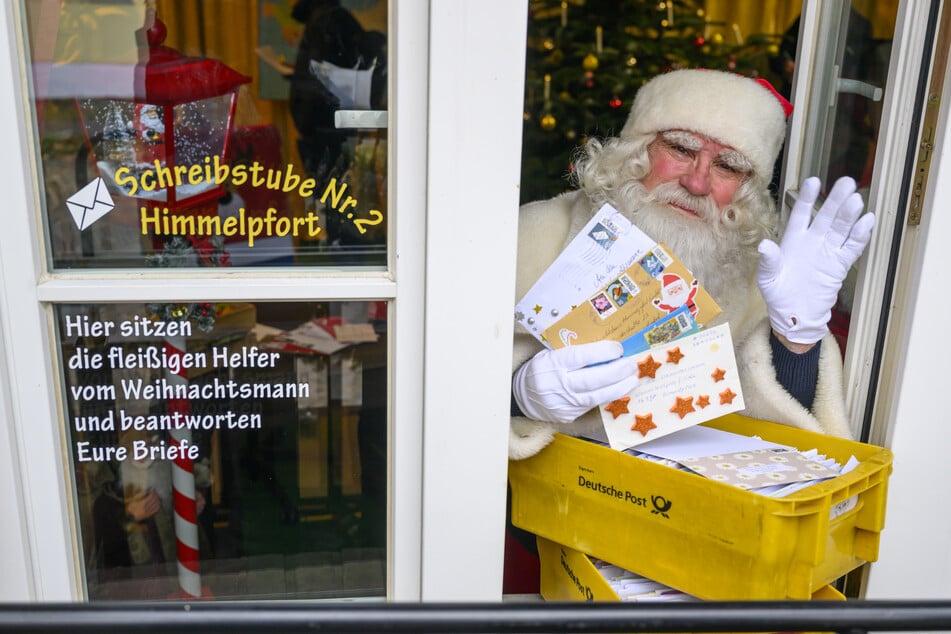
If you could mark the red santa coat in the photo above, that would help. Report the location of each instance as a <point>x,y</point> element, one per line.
<point>546,227</point>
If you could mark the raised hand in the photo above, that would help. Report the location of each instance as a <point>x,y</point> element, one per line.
<point>800,277</point>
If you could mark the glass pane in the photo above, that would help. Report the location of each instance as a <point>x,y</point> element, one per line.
<point>228,451</point>
<point>850,72</point>
<point>163,141</point>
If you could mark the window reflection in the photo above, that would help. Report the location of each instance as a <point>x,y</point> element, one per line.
<point>862,70</point>
<point>228,450</point>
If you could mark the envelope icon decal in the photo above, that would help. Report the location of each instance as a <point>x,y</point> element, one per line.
<point>90,203</point>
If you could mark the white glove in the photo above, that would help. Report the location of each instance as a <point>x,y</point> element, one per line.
<point>800,278</point>
<point>558,386</point>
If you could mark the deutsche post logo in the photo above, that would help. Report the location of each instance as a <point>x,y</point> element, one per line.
<point>661,505</point>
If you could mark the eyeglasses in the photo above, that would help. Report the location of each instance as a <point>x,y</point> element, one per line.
<point>688,149</point>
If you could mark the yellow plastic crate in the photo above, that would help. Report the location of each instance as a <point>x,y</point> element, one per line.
<point>706,538</point>
<point>570,575</point>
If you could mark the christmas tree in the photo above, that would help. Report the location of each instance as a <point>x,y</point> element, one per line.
<point>587,58</point>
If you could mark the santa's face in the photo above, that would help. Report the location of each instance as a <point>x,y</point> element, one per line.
<point>701,166</point>
<point>675,291</point>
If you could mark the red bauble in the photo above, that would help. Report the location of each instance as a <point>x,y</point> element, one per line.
<point>615,103</point>
<point>699,41</point>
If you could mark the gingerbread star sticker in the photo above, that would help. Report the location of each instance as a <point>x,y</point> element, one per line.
<point>718,374</point>
<point>643,423</point>
<point>727,396</point>
<point>683,406</point>
<point>648,367</point>
<point>674,355</point>
<point>703,400</point>
<point>619,406</point>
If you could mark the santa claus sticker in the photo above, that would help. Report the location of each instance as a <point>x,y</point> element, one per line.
<point>675,292</point>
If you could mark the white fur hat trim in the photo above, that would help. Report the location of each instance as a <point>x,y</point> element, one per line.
<point>734,110</point>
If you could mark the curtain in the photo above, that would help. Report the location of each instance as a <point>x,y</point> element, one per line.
<point>227,30</point>
<point>773,17</point>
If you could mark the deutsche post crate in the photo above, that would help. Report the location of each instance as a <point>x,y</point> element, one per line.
<point>570,575</point>
<point>706,538</point>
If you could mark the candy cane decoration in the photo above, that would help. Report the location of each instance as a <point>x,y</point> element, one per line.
<point>183,483</point>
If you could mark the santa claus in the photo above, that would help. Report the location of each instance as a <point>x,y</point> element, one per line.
<point>149,129</point>
<point>691,168</point>
<point>676,292</point>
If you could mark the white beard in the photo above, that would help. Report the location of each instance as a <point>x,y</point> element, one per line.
<point>714,254</point>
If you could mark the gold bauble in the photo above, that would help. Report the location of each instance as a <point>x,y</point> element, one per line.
<point>717,38</point>
<point>548,122</point>
<point>590,62</point>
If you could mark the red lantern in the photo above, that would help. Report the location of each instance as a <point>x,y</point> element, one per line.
<point>165,143</point>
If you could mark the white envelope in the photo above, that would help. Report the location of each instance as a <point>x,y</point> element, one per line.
<point>90,203</point>
<point>606,246</point>
<point>703,441</point>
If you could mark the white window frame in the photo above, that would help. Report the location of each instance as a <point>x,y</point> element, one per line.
<point>477,67</point>
<point>455,135</point>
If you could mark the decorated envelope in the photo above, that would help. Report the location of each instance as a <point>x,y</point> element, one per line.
<point>759,468</point>
<point>606,246</point>
<point>683,383</point>
<point>654,287</point>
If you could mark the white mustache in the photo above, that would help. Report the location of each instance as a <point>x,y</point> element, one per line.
<point>673,193</point>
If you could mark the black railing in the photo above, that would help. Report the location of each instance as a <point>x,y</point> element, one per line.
<point>852,617</point>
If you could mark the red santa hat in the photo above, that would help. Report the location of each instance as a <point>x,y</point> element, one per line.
<point>745,114</point>
<point>667,279</point>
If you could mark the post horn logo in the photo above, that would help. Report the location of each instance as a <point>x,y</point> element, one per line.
<point>661,505</point>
